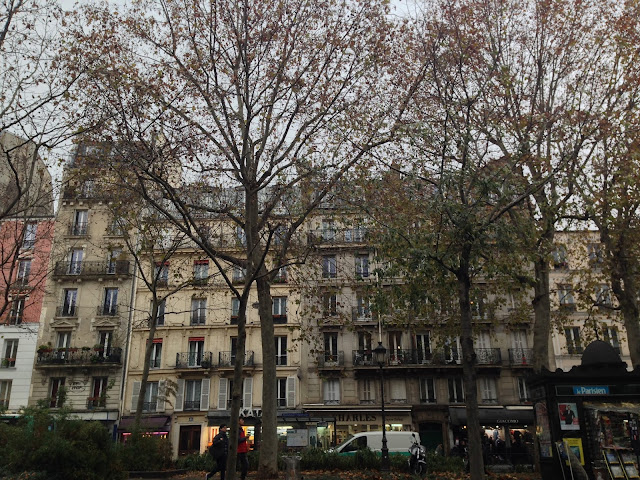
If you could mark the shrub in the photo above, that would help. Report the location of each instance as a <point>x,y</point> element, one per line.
<point>145,453</point>
<point>196,462</point>
<point>439,463</point>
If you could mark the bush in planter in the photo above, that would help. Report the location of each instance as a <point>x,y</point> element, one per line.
<point>145,453</point>
<point>196,462</point>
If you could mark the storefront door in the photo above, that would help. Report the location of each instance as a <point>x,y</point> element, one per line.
<point>189,439</point>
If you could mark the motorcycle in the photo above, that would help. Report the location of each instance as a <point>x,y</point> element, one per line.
<point>417,458</point>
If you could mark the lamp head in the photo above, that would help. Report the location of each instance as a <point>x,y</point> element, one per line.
<point>380,354</point>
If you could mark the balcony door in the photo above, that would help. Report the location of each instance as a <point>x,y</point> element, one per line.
<point>331,348</point>
<point>423,347</point>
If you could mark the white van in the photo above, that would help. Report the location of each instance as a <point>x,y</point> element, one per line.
<point>398,443</point>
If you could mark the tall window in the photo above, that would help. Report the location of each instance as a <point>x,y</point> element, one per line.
<point>70,297</point>
<point>10,353</point>
<point>398,390</point>
<point>105,337</point>
<point>161,311</point>
<point>5,393</point>
<point>156,353</point>
<point>75,261</point>
<point>603,296</point>
<point>241,236</point>
<point>330,304</point>
<point>423,347</point>
<point>456,391</point>
<point>238,274</point>
<point>198,311</point>
<point>63,343</point>
<point>367,391</point>
<point>329,266</point>
<point>29,239</point>
<point>565,297</point>
<point>523,390</point>
<point>611,337</point>
<point>112,261</point>
<point>560,258</point>
<point>196,351</point>
<point>161,274</point>
<point>201,272</point>
<point>395,347</point>
<point>235,310</point>
<point>192,394</point>
<point>331,391</point>
<point>489,391</point>
<point>364,308</point>
<point>331,347</point>
<point>328,230</point>
<point>281,392</point>
<point>427,390</point>
<point>574,344</point>
<point>24,269</point>
<point>279,309</point>
<point>80,223</point>
<point>151,397</point>
<point>362,266</point>
<point>17,311</point>
<point>56,392</point>
<point>99,392</point>
<point>281,350</point>
<point>110,303</point>
<point>596,256</point>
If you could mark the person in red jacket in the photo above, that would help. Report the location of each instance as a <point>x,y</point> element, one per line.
<point>243,448</point>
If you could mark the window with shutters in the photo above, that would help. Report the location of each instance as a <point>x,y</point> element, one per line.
<point>150,403</point>
<point>427,390</point>
<point>281,392</point>
<point>192,394</point>
<point>367,391</point>
<point>331,389</point>
<point>398,390</point>
<point>225,389</point>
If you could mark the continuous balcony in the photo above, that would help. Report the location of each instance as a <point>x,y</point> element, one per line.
<point>194,360</point>
<point>337,236</point>
<point>521,357</point>
<point>77,357</point>
<point>402,357</point>
<point>488,356</point>
<point>92,269</point>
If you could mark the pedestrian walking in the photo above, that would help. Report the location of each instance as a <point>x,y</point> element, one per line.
<point>219,450</point>
<point>243,449</point>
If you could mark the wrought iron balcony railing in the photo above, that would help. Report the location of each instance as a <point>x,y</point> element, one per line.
<point>521,356</point>
<point>331,359</point>
<point>194,360</point>
<point>228,359</point>
<point>488,356</point>
<point>85,268</point>
<point>79,356</point>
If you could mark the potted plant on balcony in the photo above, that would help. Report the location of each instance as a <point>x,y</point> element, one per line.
<point>45,349</point>
<point>98,347</point>
<point>7,361</point>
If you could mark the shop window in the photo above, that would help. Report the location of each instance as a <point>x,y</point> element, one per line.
<point>456,390</point>
<point>574,344</point>
<point>427,390</point>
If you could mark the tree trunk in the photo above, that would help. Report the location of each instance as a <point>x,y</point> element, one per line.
<point>268,463</point>
<point>236,394</point>
<point>542,314</point>
<point>476,462</point>
<point>146,364</point>
<point>626,292</point>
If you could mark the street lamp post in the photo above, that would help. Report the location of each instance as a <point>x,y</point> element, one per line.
<point>381,354</point>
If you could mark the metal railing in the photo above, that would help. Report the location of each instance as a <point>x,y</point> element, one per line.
<point>228,359</point>
<point>192,404</point>
<point>107,310</point>
<point>93,403</point>
<point>92,268</point>
<point>335,235</point>
<point>194,360</point>
<point>79,356</point>
<point>363,358</point>
<point>67,311</point>
<point>488,356</point>
<point>331,359</point>
<point>521,356</point>
<point>79,229</point>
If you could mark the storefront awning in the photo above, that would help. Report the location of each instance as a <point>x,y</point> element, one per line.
<point>158,423</point>
<point>493,416</point>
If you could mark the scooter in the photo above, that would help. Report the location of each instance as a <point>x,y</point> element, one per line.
<point>417,458</point>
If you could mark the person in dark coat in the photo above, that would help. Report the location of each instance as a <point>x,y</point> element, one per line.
<point>219,451</point>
